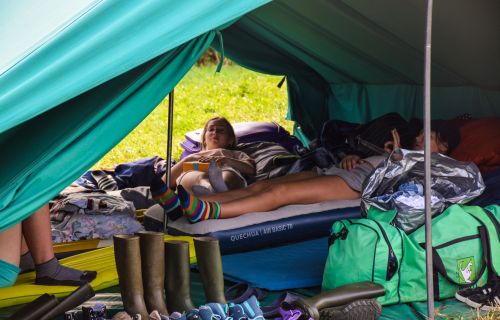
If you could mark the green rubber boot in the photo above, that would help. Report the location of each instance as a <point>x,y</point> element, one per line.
<point>153,270</point>
<point>128,265</point>
<point>326,302</point>
<point>177,276</point>
<point>210,265</point>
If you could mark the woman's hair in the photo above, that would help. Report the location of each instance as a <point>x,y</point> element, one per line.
<point>229,128</point>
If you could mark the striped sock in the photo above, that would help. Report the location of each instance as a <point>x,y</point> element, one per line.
<point>195,209</point>
<point>166,197</point>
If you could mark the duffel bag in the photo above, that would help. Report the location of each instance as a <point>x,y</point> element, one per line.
<point>465,250</point>
<point>465,247</point>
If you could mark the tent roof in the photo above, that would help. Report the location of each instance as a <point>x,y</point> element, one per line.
<point>77,76</point>
<point>382,42</point>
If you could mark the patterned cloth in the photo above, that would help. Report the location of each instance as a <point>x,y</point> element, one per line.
<point>92,215</point>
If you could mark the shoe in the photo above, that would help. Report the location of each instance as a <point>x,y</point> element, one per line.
<point>464,294</point>
<point>368,309</point>
<point>487,300</point>
<point>193,314</point>
<point>209,263</point>
<point>177,316</point>
<point>240,292</point>
<point>248,310</point>
<point>273,310</point>
<point>177,276</point>
<point>155,315</point>
<point>339,297</point>
<point>214,311</point>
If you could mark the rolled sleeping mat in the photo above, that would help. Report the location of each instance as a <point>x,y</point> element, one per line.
<point>36,308</point>
<point>76,298</point>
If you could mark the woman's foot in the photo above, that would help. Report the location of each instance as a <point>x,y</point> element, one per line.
<point>195,209</point>
<point>53,273</point>
<point>164,196</point>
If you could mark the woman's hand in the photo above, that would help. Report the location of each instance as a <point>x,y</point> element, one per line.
<point>395,144</point>
<point>219,160</point>
<point>350,162</point>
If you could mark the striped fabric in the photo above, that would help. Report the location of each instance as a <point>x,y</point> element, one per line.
<point>197,210</point>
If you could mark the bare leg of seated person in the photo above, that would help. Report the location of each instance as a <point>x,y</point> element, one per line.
<point>10,244</point>
<point>304,191</point>
<point>37,232</point>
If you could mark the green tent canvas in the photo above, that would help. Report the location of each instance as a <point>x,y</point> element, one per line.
<point>77,76</point>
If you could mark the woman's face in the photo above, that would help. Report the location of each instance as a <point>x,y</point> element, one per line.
<point>437,145</point>
<point>217,135</point>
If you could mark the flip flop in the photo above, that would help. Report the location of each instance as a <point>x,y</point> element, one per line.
<point>242,291</point>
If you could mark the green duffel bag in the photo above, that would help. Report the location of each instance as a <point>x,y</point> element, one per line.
<point>369,250</point>
<point>465,247</point>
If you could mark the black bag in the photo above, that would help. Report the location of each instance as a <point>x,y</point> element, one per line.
<point>365,140</point>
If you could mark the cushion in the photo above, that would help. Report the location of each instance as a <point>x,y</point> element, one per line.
<point>479,143</point>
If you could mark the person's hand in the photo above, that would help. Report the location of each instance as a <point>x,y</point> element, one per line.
<point>395,144</point>
<point>350,161</point>
<point>219,160</point>
<point>396,148</point>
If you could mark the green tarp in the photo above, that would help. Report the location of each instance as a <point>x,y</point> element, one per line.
<point>77,76</point>
<point>94,76</point>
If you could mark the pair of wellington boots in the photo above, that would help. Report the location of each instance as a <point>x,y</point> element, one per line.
<point>151,270</point>
<point>178,279</point>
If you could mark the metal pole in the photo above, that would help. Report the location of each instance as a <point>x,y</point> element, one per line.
<point>169,145</point>
<point>427,162</point>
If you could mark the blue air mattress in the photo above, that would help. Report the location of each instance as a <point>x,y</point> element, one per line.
<point>257,230</point>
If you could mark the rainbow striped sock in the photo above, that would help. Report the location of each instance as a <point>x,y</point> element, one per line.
<point>166,197</point>
<point>195,209</point>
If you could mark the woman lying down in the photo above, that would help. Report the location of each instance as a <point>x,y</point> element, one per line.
<point>342,182</point>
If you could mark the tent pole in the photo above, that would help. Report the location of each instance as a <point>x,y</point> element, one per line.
<point>169,146</point>
<point>427,162</point>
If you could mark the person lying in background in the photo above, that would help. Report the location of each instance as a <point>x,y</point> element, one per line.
<point>226,170</point>
<point>27,246</point>
<point>343,182</point>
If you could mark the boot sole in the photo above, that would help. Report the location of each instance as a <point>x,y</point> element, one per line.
<point>367,309</point>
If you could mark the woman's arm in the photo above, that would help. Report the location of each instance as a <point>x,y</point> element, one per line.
<point>176,170</point>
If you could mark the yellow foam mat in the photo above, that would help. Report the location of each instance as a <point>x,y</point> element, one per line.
<point>100,260</point>
<point>82,245</point>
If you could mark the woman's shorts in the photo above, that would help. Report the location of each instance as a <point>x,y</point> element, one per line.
<point>355,177</point>
<point>8,274</point>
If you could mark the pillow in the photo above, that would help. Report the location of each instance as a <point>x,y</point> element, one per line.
<point>479,143</point>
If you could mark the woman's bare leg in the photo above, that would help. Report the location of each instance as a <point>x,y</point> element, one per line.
<point>305,191</point>
<point>256,187</point>
<point>232,180</point>
<point>10,244</point>
<point>194,178</point>
<point>37,232</point>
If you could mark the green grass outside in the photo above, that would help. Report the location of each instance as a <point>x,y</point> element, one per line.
<point>236,93</point>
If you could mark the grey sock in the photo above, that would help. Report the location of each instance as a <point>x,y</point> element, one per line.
<point>215,177</point>
<point>26,264</point>
<point>53,273</point>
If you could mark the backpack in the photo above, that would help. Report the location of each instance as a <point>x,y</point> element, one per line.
<point>464,255</point>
